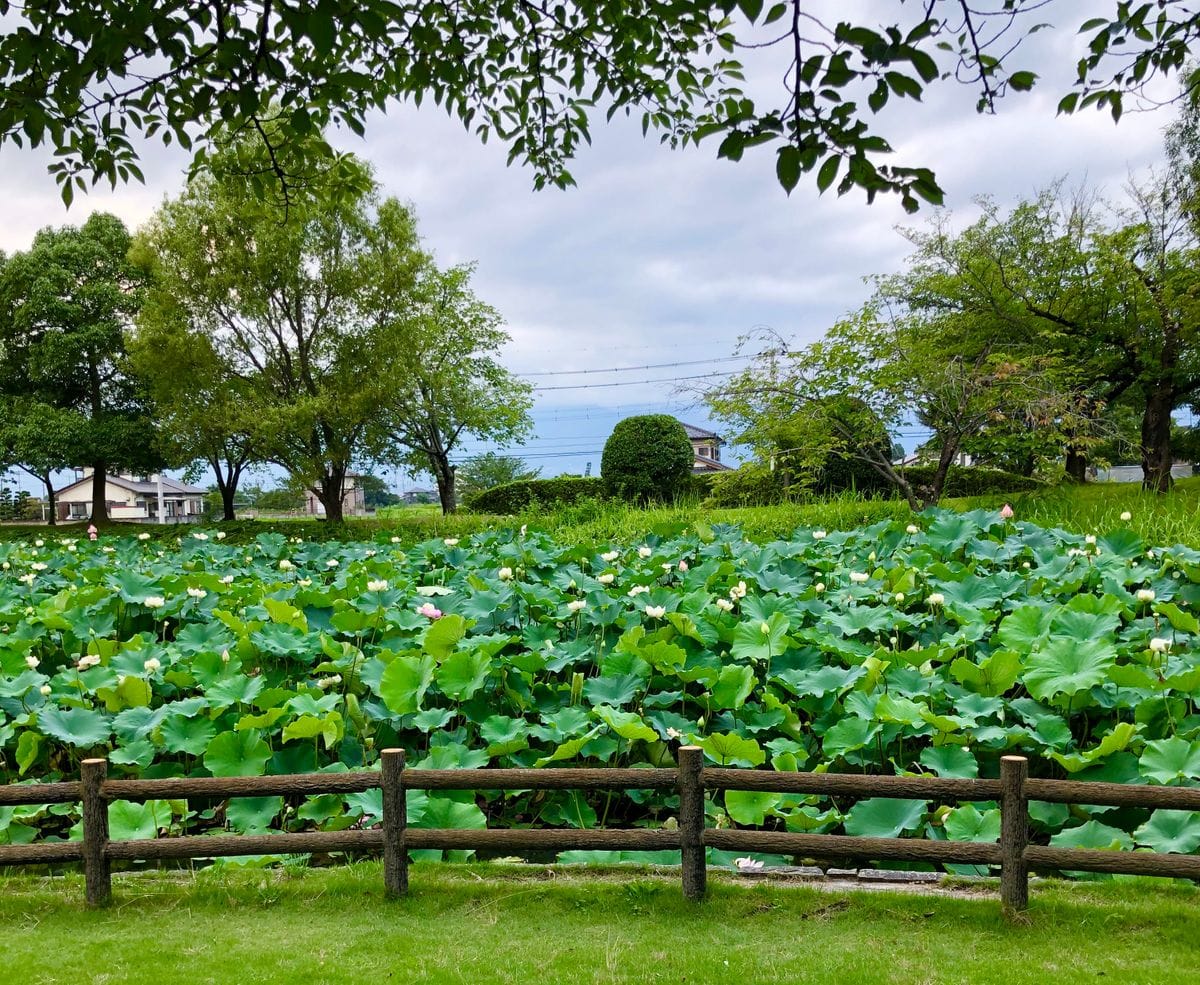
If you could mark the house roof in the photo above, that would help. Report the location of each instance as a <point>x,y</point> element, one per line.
<point>170,486</point>
<point>695,433</point>
<point>701,464</point>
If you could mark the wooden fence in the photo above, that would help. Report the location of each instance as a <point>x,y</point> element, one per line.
<point>1012,853</point>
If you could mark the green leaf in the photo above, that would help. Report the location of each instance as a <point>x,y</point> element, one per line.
<point>28,747</point>
<point>443,635</point>
<point>404,683</point>
<point>884,817</point>
<point>74,726</point>
<point>462,673</point>
<point>1093,835</point>
<point>1172,760</point>
<point>128,820</point>
<point>728,749</point>
<point>442,812</point>
<point>733,686</point>
<point>760,639</point>
<point>252,815</point>
<point>966,823</point>
<point>628,725</point>
<point>751,807</point>
<point>1116,740</point>
<point>1171,831</point>
<point>187,735</point>
<point>237,754</point>
<point>1066,666</point>
<point>952,761</point>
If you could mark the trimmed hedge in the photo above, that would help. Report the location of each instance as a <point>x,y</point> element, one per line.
<point>974,480</point>
<point>647,457</point>
<point>515,497</point>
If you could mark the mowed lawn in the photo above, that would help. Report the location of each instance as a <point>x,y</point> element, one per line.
<point>501,924</point>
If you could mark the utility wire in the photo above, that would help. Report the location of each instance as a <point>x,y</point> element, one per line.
<point>601,386</point>
<point>627,369</point>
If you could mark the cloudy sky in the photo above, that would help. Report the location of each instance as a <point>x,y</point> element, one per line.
<point>667,257</point>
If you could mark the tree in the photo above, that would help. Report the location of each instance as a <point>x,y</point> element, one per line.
<point>88,84</point>
<point>647,457</point>
<point>376,492</point>
<point>204,413</point>
<point>39,439</point>
<point>448,384</point>
<point>489,470</point>
<point>872,374</point>
<point>64,308</point>
<point>298,307</point>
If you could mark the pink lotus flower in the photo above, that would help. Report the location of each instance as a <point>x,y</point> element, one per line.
<point>429,611</point>
<point>92,531</point>
<point>1006,512</point>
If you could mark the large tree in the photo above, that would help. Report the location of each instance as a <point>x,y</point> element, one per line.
<point>490,469</point>
<point>449,383</point>
<point>296,305</point>
<point>64,307</point>
<point>89,80</point>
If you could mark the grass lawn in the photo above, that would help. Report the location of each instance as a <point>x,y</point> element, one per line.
<point>473,924</point>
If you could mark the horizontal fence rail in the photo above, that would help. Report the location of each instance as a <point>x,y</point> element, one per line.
<point>394,839</point>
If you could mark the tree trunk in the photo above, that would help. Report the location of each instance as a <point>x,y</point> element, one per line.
<point>1156,440</point>
<point>330,494</point>
<point>227,511</point>
<point>99,491</point>
<point>1076,466</point>
<point>51,503</point>
<point>948,453</point>
<point>444,473</point>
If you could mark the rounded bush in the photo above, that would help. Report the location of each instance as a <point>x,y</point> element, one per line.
<point>647,457</point>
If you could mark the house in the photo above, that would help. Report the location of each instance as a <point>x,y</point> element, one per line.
<point>927,456</point>
<point>706,449</point>
<point>132,497</point>
<point>353,498</point>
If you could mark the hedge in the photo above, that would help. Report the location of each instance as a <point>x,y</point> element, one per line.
<point>647,458</point>
<point>515,497</point>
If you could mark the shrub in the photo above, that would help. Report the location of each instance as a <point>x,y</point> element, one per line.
<point>514,497</point>
<point>973,480</point>
<point>753,484</point>
<point>647,457</point>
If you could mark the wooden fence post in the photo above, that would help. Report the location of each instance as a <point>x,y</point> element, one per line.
<point>395,822</point>
<point>96,869</point>
<point>691,822</point>
<point>1014,834</point>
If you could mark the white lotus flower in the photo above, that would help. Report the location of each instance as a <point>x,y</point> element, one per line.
<point>936,598</point>
<point>610,556</point>
<point>747,864</point>
<point>606,579</point>
<point>154,601</point>
<point>197,593</point>
<point>858,577</point>
<point>5,566</point>
<point>286,565</point>
<point>227,579</point>
<point>379,585</point>
<point>898,597</point>
<point>369,553</point>
<point>38,566</point>
<point>90,660</point>
<point>331,563</point>
<point>656,611</point>
<point>645,551</point>
<point>683,565</point>
<point>143,536</point>
<point>1159,645</point>
<point>1126,516</point>
<point>27,579</point>
<point>738,591</point>
<point>912,528</point>
<point>32,662</point>
<point>577,605</point>
<point>505,574</point>
<point>667,566</point>
<point>44,690</point>
<point>1145,594</point>
<point>819,587</point>
<point>1090,539</point>
<point>674,733</point>
<point>220,535</point>
<point>724,605</point>
<point>395,540</point>
<point>451,541</point>
<point>819,535</point>
<point>151,665</point>
<point>638,590</point>
<point>304,582</point>
<point>199,536</point>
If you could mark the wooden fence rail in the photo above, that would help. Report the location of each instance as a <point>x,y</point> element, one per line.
<point>1012,853</point>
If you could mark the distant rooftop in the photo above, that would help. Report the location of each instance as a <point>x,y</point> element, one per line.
<point>694,432</point>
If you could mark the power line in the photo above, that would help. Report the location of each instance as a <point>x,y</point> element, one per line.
<point>601,386</point>
<point>627,369</point>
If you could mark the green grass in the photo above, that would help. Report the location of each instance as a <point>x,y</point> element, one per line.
<point>474,924</point>
<point>1161,520</point>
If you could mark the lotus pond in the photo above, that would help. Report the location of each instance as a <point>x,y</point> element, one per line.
<point>927,647</point>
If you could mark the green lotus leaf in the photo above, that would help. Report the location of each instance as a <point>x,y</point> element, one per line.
<point>627,725</point>
<point>1171,831</point>
<point>128,820</point>
<point>952,761</point>
<point>1173,760</point>
<point>728,749</point>
<point>1067,666</point>
<point>1093,835</point>
<point>884,817</point>
<point>252,815</point>
<point>750,642</point>
<point>404,683</point>
<point>733,686</point>
<point>187,735</point>
<point>443,635</point>
<point>462,673</point>
<point>968,823</point>
<point>237,754</point>
<point>751,807</point>
<point>75,726</point>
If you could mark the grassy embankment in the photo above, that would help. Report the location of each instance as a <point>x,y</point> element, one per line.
<point>1163,520</point>
<point>474,924</point>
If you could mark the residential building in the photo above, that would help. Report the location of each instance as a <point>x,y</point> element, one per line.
<point>353,501</point>
<point>706,450</point>
<point>133,498</point>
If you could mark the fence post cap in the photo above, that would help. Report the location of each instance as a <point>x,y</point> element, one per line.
<point>1014,759</point>
<point>390,751</point>
<point>93,761</point>
<point>691,748</point>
